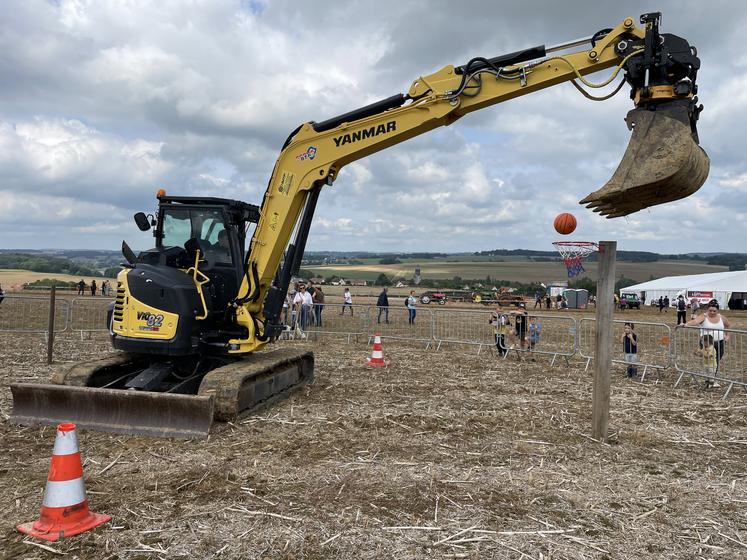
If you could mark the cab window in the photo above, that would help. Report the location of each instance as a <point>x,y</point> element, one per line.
<point>182,224</point>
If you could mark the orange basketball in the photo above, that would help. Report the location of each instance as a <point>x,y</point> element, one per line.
<point>565,223</point>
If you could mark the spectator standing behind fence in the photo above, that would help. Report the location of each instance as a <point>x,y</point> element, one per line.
<point>318,298</point>
<point>501,324</point>
<point>694,306</point>
<point>681,310</point>
<point>548,301</point>
<point>710,360</point>
<point>383,304</point>
<point>105,288</point>
<point>521,325</point>
<point>2,293</point>
<point>661,303</point>
<point>81,287</point>
<point>666,304</point>
<point>535,330</point>
<point>714,324</point>
<point>93,287</point>
<point>630,349</point>
<point>347,301</point>
<point>304,304</point>
<point>411,311</point>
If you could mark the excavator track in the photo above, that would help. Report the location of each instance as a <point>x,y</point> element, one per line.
<point>78,395</point>
<point>257,382</point>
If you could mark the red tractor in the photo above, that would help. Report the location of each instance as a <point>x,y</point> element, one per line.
<point>436,297</point>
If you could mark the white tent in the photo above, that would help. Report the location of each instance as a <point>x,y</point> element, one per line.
<point>729,288</point>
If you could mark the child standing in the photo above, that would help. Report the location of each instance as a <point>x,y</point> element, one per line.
<point>501,324</point>
<point>347,301</point>
<point>710,360</point>
<point>535,329</point>
<point>630,349</point>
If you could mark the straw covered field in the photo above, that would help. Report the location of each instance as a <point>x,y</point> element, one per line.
<point>444,454</point>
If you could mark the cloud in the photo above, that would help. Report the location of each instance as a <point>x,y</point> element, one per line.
<point>104,102</point>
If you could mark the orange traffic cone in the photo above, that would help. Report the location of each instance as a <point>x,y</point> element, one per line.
<point>64,510</point>
<point>377,356</point>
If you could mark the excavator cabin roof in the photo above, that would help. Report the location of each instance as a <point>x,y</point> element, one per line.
<point>249,212</point>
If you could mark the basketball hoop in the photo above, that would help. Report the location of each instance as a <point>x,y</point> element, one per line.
<point>573,253</point>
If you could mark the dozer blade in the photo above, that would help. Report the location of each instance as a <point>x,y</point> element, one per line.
<point>663,162</point>
<point>113,410</point>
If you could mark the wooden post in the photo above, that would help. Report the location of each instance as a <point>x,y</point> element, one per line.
<point>603,344</point>
<point>50,325</point>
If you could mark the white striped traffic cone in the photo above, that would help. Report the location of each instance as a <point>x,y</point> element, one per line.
<point>64,510</point>
<point>377,356</point>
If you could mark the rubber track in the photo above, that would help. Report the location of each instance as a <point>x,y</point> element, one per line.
<point>257,381</point>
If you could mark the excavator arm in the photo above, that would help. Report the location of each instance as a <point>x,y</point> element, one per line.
<point>663,161</point>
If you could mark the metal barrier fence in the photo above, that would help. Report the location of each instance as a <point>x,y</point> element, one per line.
<point>556,336</point>
<point>724,361</point>
<point>393,322</point>
<point>333,319</point>
<point>88,314</point>
<point>658,347</point>
<point>29,314</point>
<point>654,342</point>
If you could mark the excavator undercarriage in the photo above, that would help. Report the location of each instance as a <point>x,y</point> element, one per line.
<point>93,394</point>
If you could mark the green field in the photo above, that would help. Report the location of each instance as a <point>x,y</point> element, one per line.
<point>516,269</point>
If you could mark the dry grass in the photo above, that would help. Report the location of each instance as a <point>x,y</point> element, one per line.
<point>442,454</point>
<point>13,280</point>
<point>510,270</point>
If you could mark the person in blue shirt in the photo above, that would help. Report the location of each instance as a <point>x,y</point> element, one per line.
<point>535,329</point>
<point>411,311</point>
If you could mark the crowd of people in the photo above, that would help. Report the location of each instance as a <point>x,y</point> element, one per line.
<point>713,334</point>
<point>93,288</point>
<point>517,329</point>
<point>524,331</point>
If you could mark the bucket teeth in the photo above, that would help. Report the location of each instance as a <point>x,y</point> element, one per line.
<point>662,163</point>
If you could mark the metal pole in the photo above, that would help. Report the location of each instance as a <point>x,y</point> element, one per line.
<point>50,325</point>
<point>603,343</point>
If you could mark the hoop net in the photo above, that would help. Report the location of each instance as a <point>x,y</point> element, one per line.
<point>573,253</point>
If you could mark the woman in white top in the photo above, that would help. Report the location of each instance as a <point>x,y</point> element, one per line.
<point>712,323</point>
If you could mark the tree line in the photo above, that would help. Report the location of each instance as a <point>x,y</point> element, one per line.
<point>59,265</point>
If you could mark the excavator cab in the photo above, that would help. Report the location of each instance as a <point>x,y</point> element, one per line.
<point>174,299</point>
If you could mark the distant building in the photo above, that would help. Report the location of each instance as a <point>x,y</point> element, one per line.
<point>400,284</point>
<point>358,283</point>
<point>318,280</point>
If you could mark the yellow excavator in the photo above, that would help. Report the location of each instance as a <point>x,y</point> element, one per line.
<point>192,315</point>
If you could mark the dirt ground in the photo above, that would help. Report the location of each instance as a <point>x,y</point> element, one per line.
<point>444,454</point>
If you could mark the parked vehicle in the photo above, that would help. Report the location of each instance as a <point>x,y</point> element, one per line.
<point>631,302</point>
<point>436,297</point>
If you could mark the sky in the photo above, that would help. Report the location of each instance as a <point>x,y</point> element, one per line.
<point>104,102</point>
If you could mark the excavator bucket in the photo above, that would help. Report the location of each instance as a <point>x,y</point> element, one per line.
<point>113,410</point>
<point>663,162</point>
